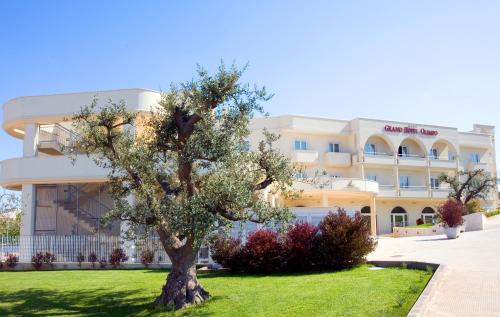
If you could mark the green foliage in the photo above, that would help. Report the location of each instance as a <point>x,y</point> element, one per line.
<point>10,224</point>
<point>493,213</point>
<point>473,206</point>
<point>184,163</point>
<point>468,185</point>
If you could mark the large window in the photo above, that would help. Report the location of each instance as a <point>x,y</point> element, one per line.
<point>428,215</point>
<point>434,183</point>
<point>73,209</point>
<point>404,181</point>
<point>474,158</point>
<point>371,178</point>
<point>370,148</point>
<point>300,145</point>
<point>404,151</point>
<point>399,218</point>
<point>434,154</point>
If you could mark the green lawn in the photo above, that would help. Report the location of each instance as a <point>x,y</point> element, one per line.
<point>425,225</point>
<point>356,292</point>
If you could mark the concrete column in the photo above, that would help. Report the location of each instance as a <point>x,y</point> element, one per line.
<point>28,205</point>
<point>324,200</point>
<point>30,142</point>
<point>362,171</point>
<point>373,216</point>
<point>396,179</point>
<point>428,181</point>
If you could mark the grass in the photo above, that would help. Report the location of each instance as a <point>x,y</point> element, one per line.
<point>422,226</point>
<point>355,292</point>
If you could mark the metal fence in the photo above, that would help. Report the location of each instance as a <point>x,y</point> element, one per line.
<point>68,248</point>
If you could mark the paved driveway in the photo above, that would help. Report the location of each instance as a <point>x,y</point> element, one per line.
<point>470,281</point>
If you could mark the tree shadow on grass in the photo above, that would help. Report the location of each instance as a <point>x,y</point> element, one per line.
<point>94,302</point>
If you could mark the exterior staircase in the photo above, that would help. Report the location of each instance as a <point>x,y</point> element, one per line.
<point>53,139</point>
<point>82,206</point>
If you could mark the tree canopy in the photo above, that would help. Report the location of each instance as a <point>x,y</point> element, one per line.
<point>183,170</point>
<point>468,185</point>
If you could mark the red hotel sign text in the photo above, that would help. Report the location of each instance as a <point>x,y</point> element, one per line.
<point>408,130</point>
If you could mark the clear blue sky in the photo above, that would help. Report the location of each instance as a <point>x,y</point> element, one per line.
<point>434,62</point>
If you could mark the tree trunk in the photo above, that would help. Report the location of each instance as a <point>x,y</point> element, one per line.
<point>182,288</point>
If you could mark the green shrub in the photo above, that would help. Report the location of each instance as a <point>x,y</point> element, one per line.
<point>493,213</point>
<point>473,206</point>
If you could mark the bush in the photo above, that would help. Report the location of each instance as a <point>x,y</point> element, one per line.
<point>344,241</point>
<point>450,213</point>
<point>493,213</point>
<point>11,260</point>
<point>37,260</point>
<point>117,257</point>
<point>227,252</point>
<point>49,258</point>
<point>92,258</point>
<point>420,222</point>
<point>147,257</point>
<point>473,206</point>
<point>80,258</point>
<point>263,252</point>
<point>300,246</point>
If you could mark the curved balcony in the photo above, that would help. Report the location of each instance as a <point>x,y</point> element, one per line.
<point>49,170</point>
<point>338,184</point>
<point>55,108</point>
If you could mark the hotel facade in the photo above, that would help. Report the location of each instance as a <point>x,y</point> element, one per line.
<point>384,169</point>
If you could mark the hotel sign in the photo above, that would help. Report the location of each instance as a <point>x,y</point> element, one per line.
<point>410,130</point>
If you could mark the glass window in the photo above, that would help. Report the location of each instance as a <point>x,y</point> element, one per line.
<point>315,220</point>
<point>300,145</point>
<point>428,218</point>
<point>334,147</point>
<point>403,151</point>
<point>300,175</point>
<point>434,154</point>
<point>434,183</point>
<point>370,148</point>
<point>451,156</point>
<point>404,181</point>
<point>302,219</point>
<point>474,158</point>
<point>372,178</point>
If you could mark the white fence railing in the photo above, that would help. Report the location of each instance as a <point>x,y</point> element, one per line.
<point>70,248</point>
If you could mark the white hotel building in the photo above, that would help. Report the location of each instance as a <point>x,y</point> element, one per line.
<point>386,170</point>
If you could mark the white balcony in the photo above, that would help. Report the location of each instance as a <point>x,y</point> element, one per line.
<point>326,183</point>
<point>306,157</point>
<point>387,191</point>
<point>377,158</point>
<point>440,192</point>
<point>445,164</point>
<point>477,166</point>
<point>414,192</point>
<point>412,161</point>
<point>335,159</point>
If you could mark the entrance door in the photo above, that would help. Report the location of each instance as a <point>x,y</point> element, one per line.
<point>399,220</point>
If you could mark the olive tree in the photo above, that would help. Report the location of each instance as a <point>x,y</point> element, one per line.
<point>468,185</point>
<point>183,170</point>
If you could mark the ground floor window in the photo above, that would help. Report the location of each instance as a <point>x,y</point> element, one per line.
<point>399,217</point>
<point>73,209</point>
<point>428,215</point>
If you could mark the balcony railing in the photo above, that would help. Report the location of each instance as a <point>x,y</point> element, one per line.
<point>56,137</point>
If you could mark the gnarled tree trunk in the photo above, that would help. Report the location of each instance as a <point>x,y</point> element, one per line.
<point>182,287</point>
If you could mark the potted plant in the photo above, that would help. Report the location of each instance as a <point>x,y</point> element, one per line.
<point>450,214</point>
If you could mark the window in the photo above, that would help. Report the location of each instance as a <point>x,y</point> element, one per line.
<point>403,151</point>
<point>434,154</point>
<point>474,158</point>
<point>404,181</point>
<point>370,148</point>
<point>300,145</point>
<point>334,147</point>
<point>451,156</point>
<point>372,178</point>
<point>300,175</point>
<point>434,183</point>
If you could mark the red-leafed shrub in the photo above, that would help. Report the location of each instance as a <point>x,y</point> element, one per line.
<point>147,257</point>
<point>263,252</point>
<point>92,258</point>
<point>11,260</point>
<point>300,245</point>
<point>117,257</point>
<point>450,213</point>
<point>420,222</point>
<point>37,260</point>
<point>227,251</point>
<point>344,241</point>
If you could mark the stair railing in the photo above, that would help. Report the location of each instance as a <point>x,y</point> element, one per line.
<point>56,133</point>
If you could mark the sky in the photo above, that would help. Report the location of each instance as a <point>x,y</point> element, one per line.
<point>429,62</point>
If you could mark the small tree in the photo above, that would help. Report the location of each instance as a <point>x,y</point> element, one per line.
<point>450,213</point>
<point>187,169</point>
<point>467,185</point>
<point>10,225</point>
